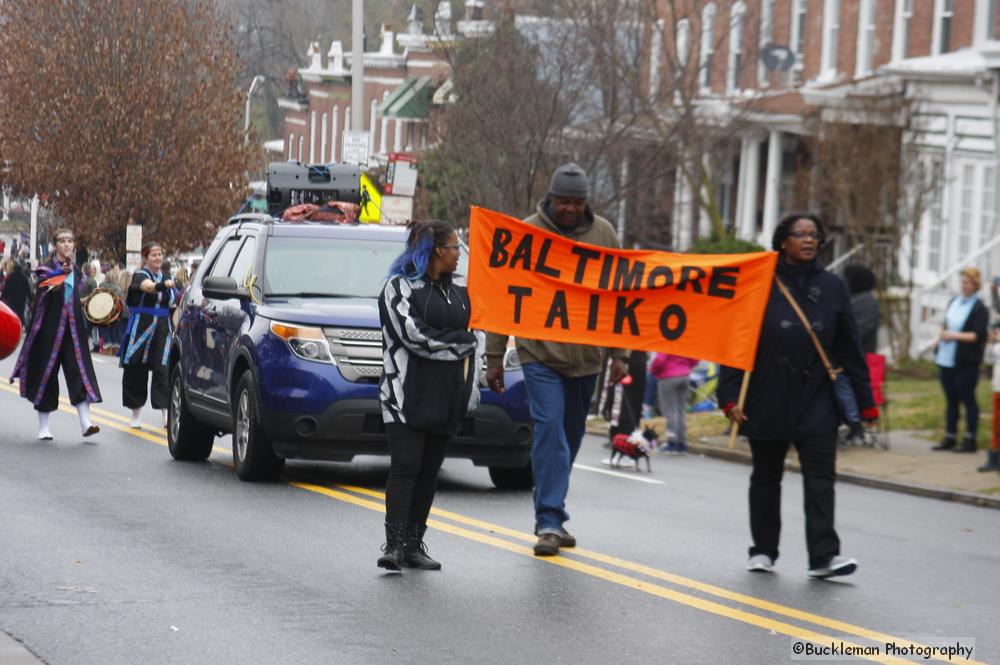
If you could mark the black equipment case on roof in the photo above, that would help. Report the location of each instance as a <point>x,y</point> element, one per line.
<point>292,183</point>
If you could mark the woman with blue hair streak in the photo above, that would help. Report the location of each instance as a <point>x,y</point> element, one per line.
<point>432,362</point>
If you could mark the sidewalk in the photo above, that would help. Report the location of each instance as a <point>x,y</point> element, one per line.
<point>909,465</point>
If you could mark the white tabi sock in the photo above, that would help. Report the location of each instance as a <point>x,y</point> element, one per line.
<point>83,411</point>
<point>43,425</point>
<point>136,423</point>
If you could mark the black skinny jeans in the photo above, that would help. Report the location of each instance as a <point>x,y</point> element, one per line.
<point>959,385</point>
<point>817,458</point>
<point>415,459</point>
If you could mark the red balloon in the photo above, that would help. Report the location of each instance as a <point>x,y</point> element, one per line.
<point>10,330</point>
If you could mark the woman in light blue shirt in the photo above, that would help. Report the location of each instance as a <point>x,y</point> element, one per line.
<point>958,357</point>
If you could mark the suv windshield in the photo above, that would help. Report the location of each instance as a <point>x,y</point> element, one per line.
<point>327,267</point>
<point>331,267</point>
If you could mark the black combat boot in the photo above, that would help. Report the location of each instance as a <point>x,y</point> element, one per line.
<point>992,461</point>
<point>414,550</point>
<point>947,443</point>
<point>968,445</point>
<point>392,551</point>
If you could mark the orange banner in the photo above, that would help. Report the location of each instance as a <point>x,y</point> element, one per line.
<point>535,284</point>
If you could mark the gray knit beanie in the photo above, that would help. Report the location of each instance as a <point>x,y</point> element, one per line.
<point>569,180</point>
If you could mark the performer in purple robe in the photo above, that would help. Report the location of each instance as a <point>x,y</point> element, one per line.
<point>58,337</point>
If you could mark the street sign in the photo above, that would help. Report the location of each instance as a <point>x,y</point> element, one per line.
<point>777,57</point>
<point>371,202</point>
<point>355,147</point>
<point>133,238</point>
<point>401,177</point>
<point>397,209</point>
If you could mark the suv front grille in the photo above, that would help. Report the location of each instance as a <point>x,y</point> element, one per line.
<point>357,352</point>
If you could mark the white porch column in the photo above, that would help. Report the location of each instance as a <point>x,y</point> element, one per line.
<point>772,186</point>
<point>322,149</point>
<point>6,206</point>
<point>622,202</point>
<point>334,135</point>
<point>682,213</point>
<point>397,139</point>
<point>312,137</point>
<point>751,185</point>
<point>741,188</point>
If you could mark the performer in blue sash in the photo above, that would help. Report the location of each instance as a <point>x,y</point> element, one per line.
<point>146,346</point>
<point>58,337</point>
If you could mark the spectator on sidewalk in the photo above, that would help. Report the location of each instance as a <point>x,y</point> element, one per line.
<point>16,289</point>
<point>791,398</point>
<point>624,406</point>
<point>672,375</point>
<point>861,285</point>
<point>959,355</point>
<point>993,454</point>
<point>559,377</point>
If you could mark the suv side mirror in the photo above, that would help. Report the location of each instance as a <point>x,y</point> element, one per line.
<point>223,288</point>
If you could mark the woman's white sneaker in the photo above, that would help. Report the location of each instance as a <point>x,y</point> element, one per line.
<point>760,563</point>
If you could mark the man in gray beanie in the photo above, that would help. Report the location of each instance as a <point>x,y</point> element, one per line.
<point>559,377</point>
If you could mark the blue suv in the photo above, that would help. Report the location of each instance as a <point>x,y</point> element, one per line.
<point>279,342</point>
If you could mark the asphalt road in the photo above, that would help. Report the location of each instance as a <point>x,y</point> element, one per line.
<point>112,553</point>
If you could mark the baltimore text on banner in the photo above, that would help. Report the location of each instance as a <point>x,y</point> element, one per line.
<point>535,284</point>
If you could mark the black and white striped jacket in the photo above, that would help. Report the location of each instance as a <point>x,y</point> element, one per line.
<point>432,361</point>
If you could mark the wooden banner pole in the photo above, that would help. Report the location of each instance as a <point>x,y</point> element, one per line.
<point>739,404</point>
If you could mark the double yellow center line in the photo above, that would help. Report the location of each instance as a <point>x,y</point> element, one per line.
<point>583,561</point>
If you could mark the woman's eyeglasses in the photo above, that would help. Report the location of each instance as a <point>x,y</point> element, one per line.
<point>802,235</point>
<point>452,246</point>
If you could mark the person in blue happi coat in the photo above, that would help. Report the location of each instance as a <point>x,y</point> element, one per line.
<point>145,348</point>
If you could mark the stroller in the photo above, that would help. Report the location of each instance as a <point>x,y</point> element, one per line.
<point>702,383</point>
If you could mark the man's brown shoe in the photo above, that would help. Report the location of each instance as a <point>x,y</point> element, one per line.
<point>548,544</point>
<point>566,539</point>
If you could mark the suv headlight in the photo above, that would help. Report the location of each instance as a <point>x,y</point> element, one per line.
<point>305,342</point>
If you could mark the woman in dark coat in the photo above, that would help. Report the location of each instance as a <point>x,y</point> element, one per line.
<point>791,401</point>
<point>145,347</point>
<point>16,290</point>
<point>58,337</point>
<point>432,363</point>
<point>958,356</point>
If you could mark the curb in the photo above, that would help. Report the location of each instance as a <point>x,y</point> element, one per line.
<point>943,494</point>
<point>927,491</point>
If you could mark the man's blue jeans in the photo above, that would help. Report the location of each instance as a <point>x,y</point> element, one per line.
<point>559,410</point>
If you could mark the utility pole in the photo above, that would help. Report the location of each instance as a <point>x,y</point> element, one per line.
<point>357,65</point>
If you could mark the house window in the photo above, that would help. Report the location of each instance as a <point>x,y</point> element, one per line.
<point>736,21</point>
<point>965,211</point>
<point>988,227</point>
<point>707,46</point>
<point>831,33</point>
<point>866,38</point>
<point>766,35</point>
<point>683,41</point>
<point>944,10</point>
<point>934,235</point>
<point>901,29</point>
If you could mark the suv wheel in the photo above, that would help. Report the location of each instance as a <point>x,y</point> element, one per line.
<point>517,478</point>
<point>253,455</point>
<point>187,439</point>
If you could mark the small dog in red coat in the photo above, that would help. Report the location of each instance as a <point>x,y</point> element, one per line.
<point>637,445</point>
